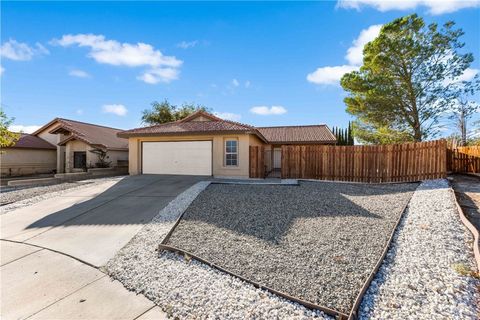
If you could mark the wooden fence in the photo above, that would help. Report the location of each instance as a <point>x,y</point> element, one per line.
<point>257,167</point>
<point>382,163</point>
<point>464,159</point>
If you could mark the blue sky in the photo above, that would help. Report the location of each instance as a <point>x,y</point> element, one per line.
<point>83,61</point>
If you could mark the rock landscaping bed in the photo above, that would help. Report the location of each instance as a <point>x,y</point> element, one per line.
<point>317,242</point>
<point>429,271</point>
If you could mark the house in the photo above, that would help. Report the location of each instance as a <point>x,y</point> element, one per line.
<point>29,155</point>
<point>78,143</point>
<point>203,144</point>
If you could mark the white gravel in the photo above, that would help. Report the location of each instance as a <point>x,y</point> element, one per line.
<point>189,289</point>
<point>25,196</point>
<point>416,281</point>
<point>417,278</point>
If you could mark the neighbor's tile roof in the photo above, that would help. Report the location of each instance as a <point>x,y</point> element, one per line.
<point>92,134</point>
<point>298,134</point>
<point>29,141</point>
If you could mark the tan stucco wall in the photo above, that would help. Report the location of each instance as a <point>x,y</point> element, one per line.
<point>92,158</point>
<point>19,162</point>
<point>218,143</point>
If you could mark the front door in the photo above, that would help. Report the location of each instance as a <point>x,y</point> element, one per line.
<point>79,159</point>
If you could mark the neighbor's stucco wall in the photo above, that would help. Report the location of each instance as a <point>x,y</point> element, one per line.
<point>20,161</point>
<point>218,145</point>
<point>75,145</point>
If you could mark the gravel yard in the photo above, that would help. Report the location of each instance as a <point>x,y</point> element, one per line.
<point>12,198</point>
<point>426,273</point>
<point>316,241</point>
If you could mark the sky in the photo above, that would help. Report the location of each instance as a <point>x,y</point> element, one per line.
<point>264,64</point>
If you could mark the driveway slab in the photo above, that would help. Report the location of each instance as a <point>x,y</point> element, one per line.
<point>103,299</point>
<point>153,314</point>
<point>97,235</point>
<point>11,251</point>
<point>32,283</point>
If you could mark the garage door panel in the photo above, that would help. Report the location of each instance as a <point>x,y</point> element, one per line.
<point>182,157</point>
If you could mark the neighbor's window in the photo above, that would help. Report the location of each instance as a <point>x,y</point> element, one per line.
<point>231,153</point>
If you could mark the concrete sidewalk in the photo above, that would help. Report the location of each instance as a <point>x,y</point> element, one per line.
<point>41,284</point>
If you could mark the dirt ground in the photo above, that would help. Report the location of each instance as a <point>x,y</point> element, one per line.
<point>467,190</point>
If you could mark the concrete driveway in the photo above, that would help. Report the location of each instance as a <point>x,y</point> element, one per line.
<point>51,251</point>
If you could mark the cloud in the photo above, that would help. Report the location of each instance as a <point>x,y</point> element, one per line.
<point>161,68</point>
<point>266,111</point>
<point>434,7</point>
<point>20,51</point>
<point>235,83</point>
<point>2,69</point>
<point>228,116</point>
<point>187,44</point>
<point>118,109</point>
<point>467,75</point>
<point>79,73</point>
<point>355,52</point>
<point>154,76</point>
<point>22,128</point>
<point>79,111</point>
<point>331,75</point>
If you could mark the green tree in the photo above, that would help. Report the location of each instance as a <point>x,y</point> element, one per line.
<point>401,91</point>
<point>163,112</point>
<point>7,138</point>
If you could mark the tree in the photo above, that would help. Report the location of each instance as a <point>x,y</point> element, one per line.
<point>102,158</point>
<point>344,136</point>
<point>401,91</point>
<point>464,107</point>
<point>163,112</point>
<point>7,138</point>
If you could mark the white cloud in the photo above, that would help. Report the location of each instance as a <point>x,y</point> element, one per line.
<point>162,68</point>
<point>355,52</point>
<point>22,128</point>
<point>467,75</point>
<point>266,111</point>
<point>2,69</point>
<point>118,109</point>
<point>434,7</point>
<point>235,83</point>
<point>20,51</point>
<point>157,75</point>
<point>331,75</point>
<point>78,73</point>
<point>187,44</point>
<point>247,84</point>
<point>228,116</point>
<point>79,111</point>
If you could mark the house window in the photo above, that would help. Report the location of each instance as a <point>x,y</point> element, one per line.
<point>231,152</point>
<point>79,159</point>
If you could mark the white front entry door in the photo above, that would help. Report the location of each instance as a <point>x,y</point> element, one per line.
<point>182,157</point>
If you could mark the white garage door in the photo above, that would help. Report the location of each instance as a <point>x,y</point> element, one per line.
<point>186,157</point>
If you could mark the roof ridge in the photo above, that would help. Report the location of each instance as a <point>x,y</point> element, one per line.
<point>91,124</point>
<point>293,126</point>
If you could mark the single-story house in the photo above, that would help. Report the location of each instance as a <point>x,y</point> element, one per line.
<point>203,144</point>
<point>29,155</point>
<point>77,144</point>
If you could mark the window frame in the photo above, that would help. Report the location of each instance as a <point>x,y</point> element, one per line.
<point>225,153</point>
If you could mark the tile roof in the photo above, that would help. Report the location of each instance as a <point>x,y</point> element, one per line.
<point>29,141</point>
<point>298,134</point>
<point>92,134</point>
<point>188,125</point>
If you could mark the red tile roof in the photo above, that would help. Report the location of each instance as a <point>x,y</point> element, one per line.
<point>188,125</point>
<point>92,134</point>
<point>298,134</point>
<point>29,141</point>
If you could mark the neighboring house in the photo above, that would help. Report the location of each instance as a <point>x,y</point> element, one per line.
<point>75,141</point>
<point>203,144</point>
<point>29,155</point>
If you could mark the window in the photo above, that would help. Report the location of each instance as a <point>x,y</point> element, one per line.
<point>231,153</point>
